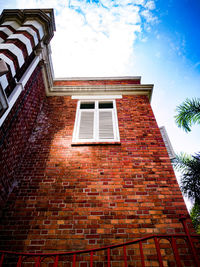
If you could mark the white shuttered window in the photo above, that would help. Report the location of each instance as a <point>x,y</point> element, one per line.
<point>96,121</point>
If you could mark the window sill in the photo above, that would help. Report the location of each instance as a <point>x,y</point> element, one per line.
<point>95,143</point>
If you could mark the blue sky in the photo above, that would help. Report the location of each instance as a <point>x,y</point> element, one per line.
<point>181,19</point>
<point>158,40</point>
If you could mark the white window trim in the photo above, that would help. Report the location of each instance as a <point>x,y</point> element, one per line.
<point>96,97</point>
<point>96,138</point>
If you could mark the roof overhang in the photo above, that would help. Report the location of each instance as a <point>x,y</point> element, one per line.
<point>128,85</point>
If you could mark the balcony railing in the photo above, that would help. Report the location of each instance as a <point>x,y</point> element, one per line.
<point>185,253</point>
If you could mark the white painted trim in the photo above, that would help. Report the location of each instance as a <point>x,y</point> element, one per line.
<point>102,88</point>
<point>98,78</point>
<point>9,62</point>
<point>31,31</point>
<point>29,71</point>
<point>119,89</point>
<point>13,24</point>
<point>14,50</point>
<point>24,40</point>
<point>6,30</point>
<point>94,97</point>
<point>116,125</point>
<point>96,121</point>
<point>1,40</point>
<point>96,111</point>
<point>11,104</point>
<point>4,81</point>
<point>75,131</point>
<point>50,63</point>
<point>18,89</point>
<point>47,69</point>
<point>37,25</point>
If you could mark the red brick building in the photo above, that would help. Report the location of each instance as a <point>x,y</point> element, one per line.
<point>83,162</point>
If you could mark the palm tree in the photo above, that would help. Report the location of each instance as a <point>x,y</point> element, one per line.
<point>188,113</point>
<point>195,216</point>
<point>189,166</point>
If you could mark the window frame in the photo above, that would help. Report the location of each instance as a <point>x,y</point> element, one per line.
<point>96,111</point>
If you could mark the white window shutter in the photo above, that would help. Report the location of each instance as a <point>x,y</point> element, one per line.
<point>106,130</point>
<point>97,122</point>
<point>86,129</point>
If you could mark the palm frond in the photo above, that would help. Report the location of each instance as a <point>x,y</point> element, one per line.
<point>188,113</point>
<point>190,179</point>
<point>195,216</point>
<point>181,162</point>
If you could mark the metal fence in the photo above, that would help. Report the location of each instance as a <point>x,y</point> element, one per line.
<point>184,249</point>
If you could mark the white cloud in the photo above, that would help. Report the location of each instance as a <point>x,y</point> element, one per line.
<point>150,5</point>
<point>148,15</point>
<point>96,38</point>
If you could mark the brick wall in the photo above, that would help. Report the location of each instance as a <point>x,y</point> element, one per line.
<point>77,197</point>
<point>15,131</point>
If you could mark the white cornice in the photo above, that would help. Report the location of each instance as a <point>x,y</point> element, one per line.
<point>131,89</point>
<point>92,89</point>
<point>98,78</point>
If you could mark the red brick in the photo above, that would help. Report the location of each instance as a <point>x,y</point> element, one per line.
<point>104,193</point>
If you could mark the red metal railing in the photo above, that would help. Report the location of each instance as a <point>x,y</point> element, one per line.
<point>38,258</point>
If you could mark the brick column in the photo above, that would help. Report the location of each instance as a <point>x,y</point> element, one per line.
<point>25,35</point>
<point>18,47</point>
<point>7,28</point>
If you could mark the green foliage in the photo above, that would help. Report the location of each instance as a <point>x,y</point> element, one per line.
<point>181,161</point>
<point>195,216</point>
<point>188,113</point>
<point>189,166</point>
